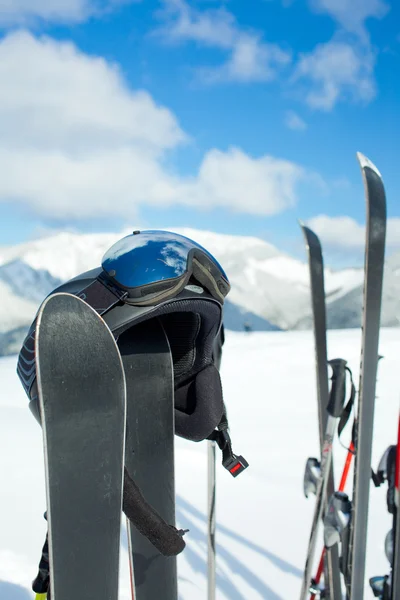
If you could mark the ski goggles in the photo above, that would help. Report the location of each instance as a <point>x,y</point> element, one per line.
<point>152,266</point>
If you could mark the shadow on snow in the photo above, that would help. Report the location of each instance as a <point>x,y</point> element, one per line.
<point>186,513</point>
<point>12,591</point>
<point>234,565</point>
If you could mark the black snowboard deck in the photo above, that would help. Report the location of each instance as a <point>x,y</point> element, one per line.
<point>82,397</point>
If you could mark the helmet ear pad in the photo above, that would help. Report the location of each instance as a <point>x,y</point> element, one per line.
<point>199,405</point>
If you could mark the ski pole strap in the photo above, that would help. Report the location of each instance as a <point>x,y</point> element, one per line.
<point>349,406</point>
<point>233,463</point>
<point>166,538</point>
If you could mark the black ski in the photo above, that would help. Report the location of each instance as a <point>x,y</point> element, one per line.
<point>82,402</point>
<point>316,267</point>
<point>374,269</point>
<point>150,450</point>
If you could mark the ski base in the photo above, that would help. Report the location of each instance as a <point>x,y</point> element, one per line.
<point>82,398</point>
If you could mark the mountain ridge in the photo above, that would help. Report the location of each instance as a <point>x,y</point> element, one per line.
<point>270,289</point>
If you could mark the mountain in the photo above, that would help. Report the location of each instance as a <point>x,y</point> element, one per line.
<point>270,289</point>
<point>237,318</point>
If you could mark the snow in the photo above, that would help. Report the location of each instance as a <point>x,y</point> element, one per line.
<point>263,518</point>
<point>63,255</point>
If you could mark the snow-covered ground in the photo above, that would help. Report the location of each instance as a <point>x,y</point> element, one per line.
<point>263,518</point>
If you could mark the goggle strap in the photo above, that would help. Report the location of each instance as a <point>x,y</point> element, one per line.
<point>204,276</point>
<point>101,295</point>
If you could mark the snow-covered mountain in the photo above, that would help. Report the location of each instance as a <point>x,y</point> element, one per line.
<point>270,289</point>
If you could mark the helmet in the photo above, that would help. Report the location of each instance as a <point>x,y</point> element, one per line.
<point>160,274</point>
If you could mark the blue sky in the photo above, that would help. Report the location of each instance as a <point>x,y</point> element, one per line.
<point>237,116</point>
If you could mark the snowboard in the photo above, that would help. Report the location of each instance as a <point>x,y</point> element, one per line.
<point>82,397</point>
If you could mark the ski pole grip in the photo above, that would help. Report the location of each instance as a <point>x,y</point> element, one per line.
<point>338,389</point>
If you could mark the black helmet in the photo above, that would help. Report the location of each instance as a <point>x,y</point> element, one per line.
<point>161,274</point>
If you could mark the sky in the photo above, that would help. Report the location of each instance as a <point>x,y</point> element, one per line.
<point>234,116</point>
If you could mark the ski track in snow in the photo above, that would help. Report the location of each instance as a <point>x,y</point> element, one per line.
<point>263,518</point>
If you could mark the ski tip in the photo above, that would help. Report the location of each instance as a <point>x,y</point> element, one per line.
<point>365,162</point>
<point>301,223</point>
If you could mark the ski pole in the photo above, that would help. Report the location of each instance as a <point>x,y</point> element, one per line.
<point>334,410</point>
<point>211,566</point>
<point>342,485</point>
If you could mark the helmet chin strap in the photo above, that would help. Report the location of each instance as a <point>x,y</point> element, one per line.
<point>233,463</point>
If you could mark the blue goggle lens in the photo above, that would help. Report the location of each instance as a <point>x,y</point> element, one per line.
<point>148,257</point>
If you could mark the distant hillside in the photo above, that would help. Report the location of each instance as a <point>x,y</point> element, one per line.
<point>270,290</point>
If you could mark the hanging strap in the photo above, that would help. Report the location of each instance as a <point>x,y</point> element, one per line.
<point>343,422</point>
<point>166,538</point>
<point>349,406</point>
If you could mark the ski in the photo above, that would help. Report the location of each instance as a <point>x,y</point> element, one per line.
<point>396,524</point>
<point>382,586</point>
<point>82,399</point>
<point>388,586</point>
<point>334,410</point>
<point>373,280</point>
<point>330,561</point>
<point>149,455</point>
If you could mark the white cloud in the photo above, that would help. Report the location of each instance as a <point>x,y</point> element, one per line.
<point>336,71</point>
<point>352,14</point>
<point>293,121</point>
<point>249,57</point>
<point>18,12</point>
<point>76,141</point>
<point>262,186</point>
<point>345,233</point>
<point>249,61</point>
<point>55,96</point>
<point>182,23</point>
